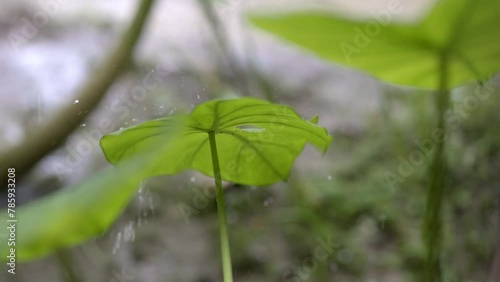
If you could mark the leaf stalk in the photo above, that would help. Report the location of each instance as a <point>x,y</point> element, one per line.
<point>432,230</point>
<point>221,211</point>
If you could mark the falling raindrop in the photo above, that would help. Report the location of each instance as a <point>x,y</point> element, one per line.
<point>118,242</point>
<point>145,204</point>
<point>192,179</point>
<point>84,124</point>
<point>129,232</point>
<point>76,102</point>
<point>198,96</point>
<point>329,177</point>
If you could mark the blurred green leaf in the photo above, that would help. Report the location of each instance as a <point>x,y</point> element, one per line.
<point>76,214</point>
<point>407,54</point>
<point>258,141</point>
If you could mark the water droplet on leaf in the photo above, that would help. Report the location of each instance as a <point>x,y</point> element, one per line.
<point>250,128</point>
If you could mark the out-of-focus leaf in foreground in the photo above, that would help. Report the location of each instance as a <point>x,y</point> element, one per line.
<point>257,141</point>
<point>76,214</point>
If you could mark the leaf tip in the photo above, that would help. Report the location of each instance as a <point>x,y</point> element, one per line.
<point>314,120</point>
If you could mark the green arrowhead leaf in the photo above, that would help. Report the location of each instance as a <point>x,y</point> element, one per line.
<point>407,54</point>
<point>257,141</point>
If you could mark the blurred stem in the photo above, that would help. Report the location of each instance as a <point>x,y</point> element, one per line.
<point>46,137</point>
<point>263,86</point>
<point>217,29</point>
<point>315,224</point>
<point>221,211</point>
<point>219,33</point>
<point>66,262</point>
<point>244,76</point>
<point>437,173</point>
